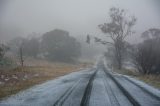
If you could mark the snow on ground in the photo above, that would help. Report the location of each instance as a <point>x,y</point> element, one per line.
<point>144,85</point>
<point>104,91</point>
<point>43,94</point>
<point>151,89</point>
<point>137,93</point>
<point>99,95</point>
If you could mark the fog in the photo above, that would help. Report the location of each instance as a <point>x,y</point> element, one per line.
<point>79,17</point>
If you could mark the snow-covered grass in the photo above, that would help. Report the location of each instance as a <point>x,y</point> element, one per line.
<point>149,79</point>
<point>127,72</point>
<point>153,80</point>
<point>20,78</point>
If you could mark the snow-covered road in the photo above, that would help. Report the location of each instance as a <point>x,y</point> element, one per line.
<point>90,87</point>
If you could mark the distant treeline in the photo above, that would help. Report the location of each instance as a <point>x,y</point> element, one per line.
<point>55,45</point>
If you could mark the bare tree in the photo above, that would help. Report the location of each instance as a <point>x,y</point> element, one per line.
<point>146,55</point>
<point>21,56</point>
<point>88,39</point>
<point>143,57</point>
<point>117,30</point>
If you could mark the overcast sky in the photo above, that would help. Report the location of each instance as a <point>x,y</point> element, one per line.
<point>79,17</point>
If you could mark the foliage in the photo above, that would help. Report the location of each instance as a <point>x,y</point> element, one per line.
<point>14,45</point>
<point>57,45</point>
<point>31,47</point>
<point>146,55</point>
<point>117,30</point>
<point>4,61</point>
<point>3,49</point>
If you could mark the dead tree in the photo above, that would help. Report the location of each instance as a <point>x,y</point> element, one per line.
<point>21,56</point>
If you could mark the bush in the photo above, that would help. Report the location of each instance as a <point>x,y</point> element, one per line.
<point>146,55</point>
<point>6,62</point>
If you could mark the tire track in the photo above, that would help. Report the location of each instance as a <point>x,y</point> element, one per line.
<point>62,98</point>
<point>143,89</point>
<point>124,91</point>
<point>87,92</point>
<point>68,92</point>
<point>113,98</point>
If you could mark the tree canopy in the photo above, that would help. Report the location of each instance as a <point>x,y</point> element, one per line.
<point>119,27</point>
<point>57,45</point>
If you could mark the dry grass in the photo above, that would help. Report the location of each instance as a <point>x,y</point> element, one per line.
<point>153,80</point>
<point>35,75</point>
<point>127,72</point>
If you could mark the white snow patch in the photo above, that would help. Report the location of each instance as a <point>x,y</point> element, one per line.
<point>6,79</point>
<point>14,76</point>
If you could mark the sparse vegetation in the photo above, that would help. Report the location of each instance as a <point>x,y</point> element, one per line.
<point>146,55</point>
<point>20,78</point>
<point>4,61</point>
<point>151,79</point>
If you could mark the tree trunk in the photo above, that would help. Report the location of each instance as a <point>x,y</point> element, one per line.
<point>21,57</point>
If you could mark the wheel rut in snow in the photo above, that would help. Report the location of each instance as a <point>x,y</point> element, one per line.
<point>60,101</point>
<point>113,98</point>
<point>62,98</point>
<point>124,91</point>
<point>143,89</point>
<point>87,92</point>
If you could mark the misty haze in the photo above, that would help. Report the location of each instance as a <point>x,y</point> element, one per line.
<point>79,53</point>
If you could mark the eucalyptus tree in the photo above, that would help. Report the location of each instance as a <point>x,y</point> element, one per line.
<point>117,29</point>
